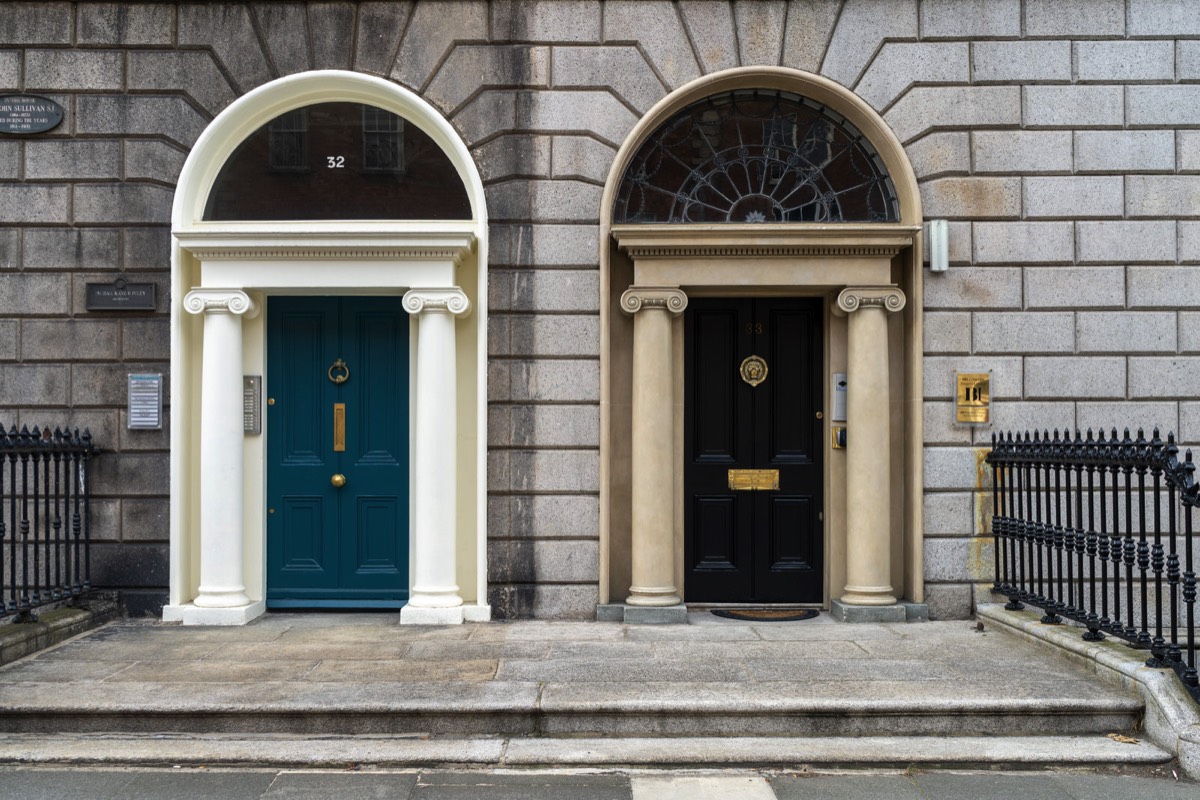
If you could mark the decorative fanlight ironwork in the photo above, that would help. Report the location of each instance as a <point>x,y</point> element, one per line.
<point>757,156</point>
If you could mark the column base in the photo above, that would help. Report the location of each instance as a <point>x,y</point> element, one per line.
<point>423,615</point>
<point>898,612</point>
<point>191,614</point>
<point>868,596</point>
<point>234,597</point>
<point>653,597</point>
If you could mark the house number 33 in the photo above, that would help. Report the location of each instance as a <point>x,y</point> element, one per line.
<point>335,162</point>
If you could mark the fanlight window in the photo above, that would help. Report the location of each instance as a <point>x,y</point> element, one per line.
<point>338,161</point>
<point>756,156</point>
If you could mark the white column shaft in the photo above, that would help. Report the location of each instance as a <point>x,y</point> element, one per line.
<point>222,582</point>
<point>435,467</point>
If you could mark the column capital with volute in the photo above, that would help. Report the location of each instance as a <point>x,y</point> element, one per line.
<point>852,298</point>
<point>668,298</point>
<point>220,301</point>
<point>450,300</point>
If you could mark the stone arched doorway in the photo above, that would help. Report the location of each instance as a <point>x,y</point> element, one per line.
<point>297,240</point>
<point>749,196</point>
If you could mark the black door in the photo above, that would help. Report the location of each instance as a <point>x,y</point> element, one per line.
<point>753,546</point>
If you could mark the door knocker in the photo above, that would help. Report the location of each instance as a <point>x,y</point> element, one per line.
<point>753,370</point>
<point>343,372</point>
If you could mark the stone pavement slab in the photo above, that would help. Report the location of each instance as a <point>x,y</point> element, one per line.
<point>706,787</point>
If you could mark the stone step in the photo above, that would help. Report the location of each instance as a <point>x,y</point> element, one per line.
<point>798,752</point>
<point>516,709</point>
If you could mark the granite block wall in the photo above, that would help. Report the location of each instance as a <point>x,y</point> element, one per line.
<point>1056,136</point>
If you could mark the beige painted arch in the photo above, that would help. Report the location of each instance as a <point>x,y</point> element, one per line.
<point>798,255</point>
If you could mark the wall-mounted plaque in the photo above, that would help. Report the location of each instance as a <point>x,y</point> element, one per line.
<point>121,295</point>
<point>28,113</point>
<point>145,402</point>
<point>972,399</point>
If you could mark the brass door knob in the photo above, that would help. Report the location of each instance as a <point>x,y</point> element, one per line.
<point>338,480</point>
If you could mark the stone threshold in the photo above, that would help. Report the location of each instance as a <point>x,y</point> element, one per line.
<point>1172,717</point>
<point>54,626</point>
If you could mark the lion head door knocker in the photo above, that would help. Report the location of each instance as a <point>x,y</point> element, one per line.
<point>753,370</point>
<point>338,372</point>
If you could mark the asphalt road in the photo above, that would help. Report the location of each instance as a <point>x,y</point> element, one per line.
<point>19,783</point>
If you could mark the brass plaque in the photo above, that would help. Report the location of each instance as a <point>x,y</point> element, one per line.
<point>339,427</point>
<point>749,480</point>
<point>972,398</point>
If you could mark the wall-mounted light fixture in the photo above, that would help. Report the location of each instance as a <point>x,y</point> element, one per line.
<point>939,246</point>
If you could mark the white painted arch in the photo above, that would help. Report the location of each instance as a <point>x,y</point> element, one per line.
<point>325,257</point>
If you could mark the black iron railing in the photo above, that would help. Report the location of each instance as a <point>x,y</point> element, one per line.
<point>1100,531</point>
<point>44,530</point>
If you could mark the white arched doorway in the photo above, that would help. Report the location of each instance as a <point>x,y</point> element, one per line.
<point>849,287</point>
<point>228,276</point>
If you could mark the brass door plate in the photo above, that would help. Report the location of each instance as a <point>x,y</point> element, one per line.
<point>339,427</point>
<point>750,480</point>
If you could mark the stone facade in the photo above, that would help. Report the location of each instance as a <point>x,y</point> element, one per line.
<point>1054,135</point>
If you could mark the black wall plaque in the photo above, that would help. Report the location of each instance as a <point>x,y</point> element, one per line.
<point>120,296</point>
<point>28,113</point>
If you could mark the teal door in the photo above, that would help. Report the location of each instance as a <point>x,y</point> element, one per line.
<point>337,452</point>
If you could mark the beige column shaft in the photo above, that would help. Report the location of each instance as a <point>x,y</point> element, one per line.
<point>653,517</point>
<point>868,450</point>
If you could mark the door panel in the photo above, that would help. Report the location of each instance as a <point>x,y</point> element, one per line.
<point>328,545</point>
<point>753,546</point>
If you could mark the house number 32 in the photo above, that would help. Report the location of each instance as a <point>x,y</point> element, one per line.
<point>335,162</point>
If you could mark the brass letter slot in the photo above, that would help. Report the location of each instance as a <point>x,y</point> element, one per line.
<point>748,480</point>
<point>339,427</point>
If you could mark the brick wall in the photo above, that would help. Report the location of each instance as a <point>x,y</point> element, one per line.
<point>1055,135</point>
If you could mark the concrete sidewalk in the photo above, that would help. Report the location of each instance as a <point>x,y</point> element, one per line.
<point>146,784</point>
<point>338,688</point>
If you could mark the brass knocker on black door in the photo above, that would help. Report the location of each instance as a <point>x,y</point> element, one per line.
<point>753,370</point>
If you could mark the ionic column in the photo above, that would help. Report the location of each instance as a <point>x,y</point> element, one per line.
<point>653,492</point>
<point>222,582</point>
<point>434,598</point>
<point>868,450</point>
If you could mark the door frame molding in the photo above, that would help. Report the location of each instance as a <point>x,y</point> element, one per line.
<point>797,259</point>
<point>328,257</point>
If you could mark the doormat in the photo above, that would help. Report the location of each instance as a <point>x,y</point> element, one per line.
<point>767,614</point>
